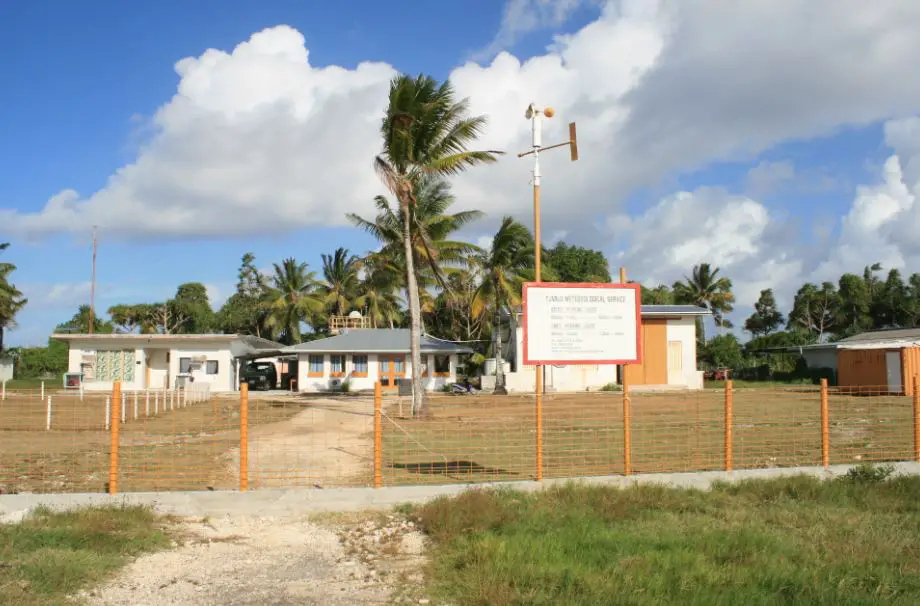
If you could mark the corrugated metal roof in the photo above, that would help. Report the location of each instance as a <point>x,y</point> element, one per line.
<point>373,340</point>
<point>881,336</point>
<point>674,310</point>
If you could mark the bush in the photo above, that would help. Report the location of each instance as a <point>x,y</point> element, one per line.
<point>867,473</point>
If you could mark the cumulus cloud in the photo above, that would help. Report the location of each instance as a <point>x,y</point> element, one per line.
<point>258,140</point>
<point>521,17</point>
<point>767,176</point>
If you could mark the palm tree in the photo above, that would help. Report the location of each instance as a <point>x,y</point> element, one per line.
<point>706,289</point>
<point>293,298</point>
<point>425,132</point>
<point>504,268</point>
<point>11,299</point>
<point>377,293</point>
<point>340,272</point>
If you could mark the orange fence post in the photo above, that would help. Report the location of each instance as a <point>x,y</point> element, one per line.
<point>378,436</point>
<point>627,430</point>
<point>539,414</point>
<point>728,425</point>
<point>114,424</point>
<point>916,418</point>
<point>244,437</point>
<point>825,427</point>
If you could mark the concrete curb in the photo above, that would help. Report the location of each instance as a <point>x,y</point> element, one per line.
<point>295,502</point>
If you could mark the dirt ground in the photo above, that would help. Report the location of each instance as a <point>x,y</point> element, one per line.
<point>249,561</point>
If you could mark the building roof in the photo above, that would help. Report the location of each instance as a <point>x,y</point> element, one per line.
<point>377,340</point>
<point>674,310</point>
<point>887,338</point>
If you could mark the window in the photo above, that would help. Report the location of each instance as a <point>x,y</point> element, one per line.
<point>337,364</point>
<point>316,365</point>
<point>212,367</point>
<point>400,364</point>
<point>442,366</point>
<point>360,366</point>
<point>185,365</point>
<point>115,365</point>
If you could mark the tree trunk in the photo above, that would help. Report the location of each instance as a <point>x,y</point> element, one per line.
<point>1,339</point>
<point>419,401</point>
<point>499,360</point>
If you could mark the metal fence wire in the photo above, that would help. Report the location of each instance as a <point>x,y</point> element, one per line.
<point>191,439</point>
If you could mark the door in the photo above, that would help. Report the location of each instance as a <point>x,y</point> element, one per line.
<point>654,367</point>
<point>675,362</point>
<point>893,365</point>
<point>391,367</point>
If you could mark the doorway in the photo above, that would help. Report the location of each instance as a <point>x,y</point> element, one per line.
<point>893,366</point>
<point>392,367</point>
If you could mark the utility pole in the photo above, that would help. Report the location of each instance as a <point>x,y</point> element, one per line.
<point>92,287</point>
<point>535,115</point>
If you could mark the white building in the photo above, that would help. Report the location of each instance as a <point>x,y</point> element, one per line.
<point>142,361</point>
<point>6,368</point>
<point>361,357</point>
<point>668,357</point>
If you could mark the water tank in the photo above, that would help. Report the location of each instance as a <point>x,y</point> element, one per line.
<point>354,314</point>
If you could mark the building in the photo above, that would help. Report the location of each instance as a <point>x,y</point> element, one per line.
<point>668,357</point>
<point>142,361</point>
<point>878,360</point>
<point>6,368</point>
<point>360,357</point>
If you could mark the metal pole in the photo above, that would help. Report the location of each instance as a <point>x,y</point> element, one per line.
<point>244,437</point>
<point>113,427</point>
<point>48,419</point>
<point>92,288</point>
<point>825,427</point>
<point>378,436</point>
<point>729,460</point>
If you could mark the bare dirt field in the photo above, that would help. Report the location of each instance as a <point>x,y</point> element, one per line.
<point>315,441</point>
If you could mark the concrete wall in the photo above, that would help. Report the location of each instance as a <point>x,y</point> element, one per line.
<point>6,369</point>
<point>161,370</point>
<point>325,383</point>
<point>683,330</point>
<point>593,377</point>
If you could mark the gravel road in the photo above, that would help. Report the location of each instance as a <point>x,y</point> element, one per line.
<point>237,561</point>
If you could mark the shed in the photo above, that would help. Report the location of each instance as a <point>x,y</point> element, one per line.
<point>878,360</point>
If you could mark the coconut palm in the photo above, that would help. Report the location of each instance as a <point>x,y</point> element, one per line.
<point>503,268</point>
<point>425,132</point>
<point>705,288</point>
<point>378,291</point>
<point>340,286</point>
<point>293,298</point>
<point>11,299</point>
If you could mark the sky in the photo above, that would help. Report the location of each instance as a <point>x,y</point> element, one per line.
<point>778,141</point>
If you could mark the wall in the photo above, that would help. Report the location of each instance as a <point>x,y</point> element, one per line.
<point>654,367</point>
<point>324,383</point>
<point>214,350</point>
<point>820,358</point>
<point>683,329</point>
<point>910,368</point>
<point>862,368</point>
<point>6,369</point>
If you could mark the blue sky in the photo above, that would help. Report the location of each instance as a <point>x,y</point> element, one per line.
<point>85,83</point>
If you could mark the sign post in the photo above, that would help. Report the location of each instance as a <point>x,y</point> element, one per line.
<point>573,323</point>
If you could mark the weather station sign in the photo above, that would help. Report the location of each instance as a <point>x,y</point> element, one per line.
<point>570,323</point>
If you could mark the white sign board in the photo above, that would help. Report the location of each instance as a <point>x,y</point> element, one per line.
<point>581,323</point>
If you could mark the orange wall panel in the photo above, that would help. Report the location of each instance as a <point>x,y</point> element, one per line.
<point>862,368</point>
<point>654,367</point>
<point>910,368</point>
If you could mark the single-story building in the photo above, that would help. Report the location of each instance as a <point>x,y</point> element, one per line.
<point>878,360</point>
<point>6,368</point>
<point>155,361</point>
<point>668,357</point>
<point>361,356</point>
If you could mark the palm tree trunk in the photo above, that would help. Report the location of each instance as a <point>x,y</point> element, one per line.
<point>415,320</point>
<point>1,339</point>
<point>499,361</point>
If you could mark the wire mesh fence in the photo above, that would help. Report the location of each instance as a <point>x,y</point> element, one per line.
<point>190,439</point>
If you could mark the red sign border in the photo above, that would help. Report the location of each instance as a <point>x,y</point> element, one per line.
<point>605,285</point>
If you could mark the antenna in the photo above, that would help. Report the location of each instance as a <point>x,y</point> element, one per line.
<point>92,287</point>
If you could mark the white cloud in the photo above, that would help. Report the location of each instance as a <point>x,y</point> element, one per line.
<point>521,17</point>
<point>61,294</point>
<point>767,176</point>
<point>257,140</point>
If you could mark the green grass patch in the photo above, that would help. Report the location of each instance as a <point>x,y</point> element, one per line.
<point>851,541</point>
<point>33,383</point>
<point>51,555</point>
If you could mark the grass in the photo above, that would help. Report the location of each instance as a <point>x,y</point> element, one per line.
<point>743,384</point>
<point>33,383</point>
<point>850,541</point>
<point>52,555</point>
